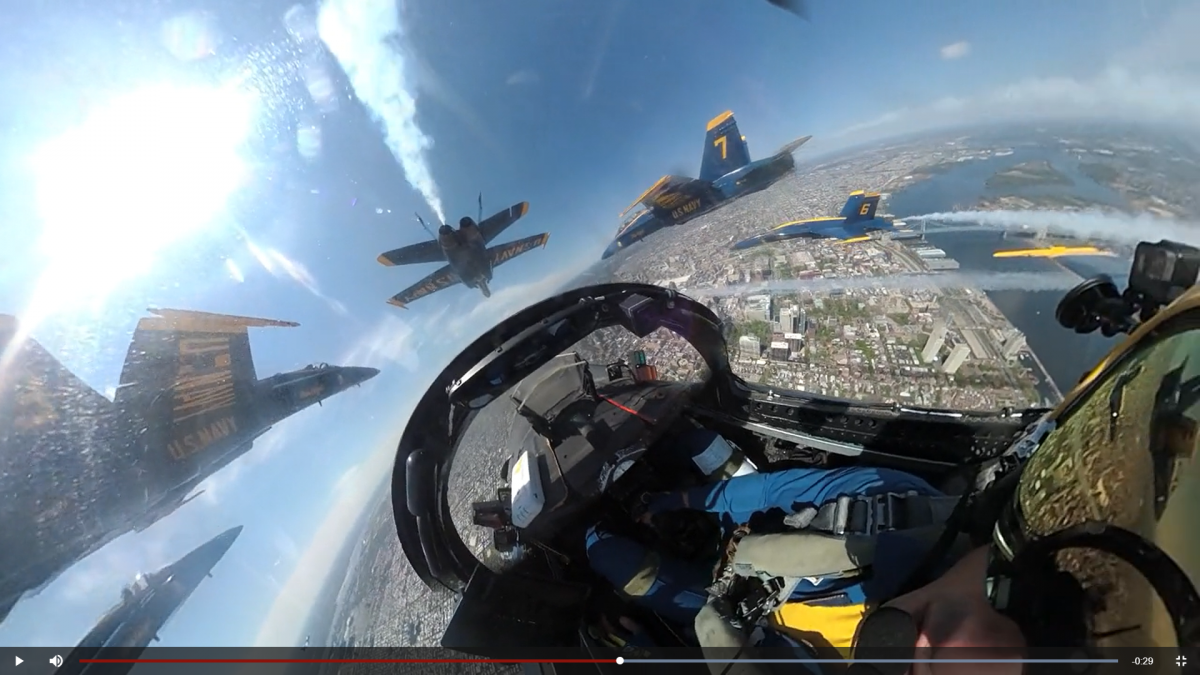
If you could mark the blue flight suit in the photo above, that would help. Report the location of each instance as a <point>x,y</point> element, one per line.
<point>677,590</point>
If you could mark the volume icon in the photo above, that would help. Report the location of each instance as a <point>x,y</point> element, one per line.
<point>56,660</point>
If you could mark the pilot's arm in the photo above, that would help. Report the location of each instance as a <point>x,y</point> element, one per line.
<point>741,497</point>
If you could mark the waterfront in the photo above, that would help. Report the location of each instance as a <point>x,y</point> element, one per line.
<point>1031,312</point>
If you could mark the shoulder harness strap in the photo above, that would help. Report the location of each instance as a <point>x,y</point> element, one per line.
<point>874,514</point>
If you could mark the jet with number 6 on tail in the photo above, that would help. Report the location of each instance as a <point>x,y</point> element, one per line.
<point>726,173</point>
<point>188,403</point>
<point>855,223</point>
<point>465,250</point>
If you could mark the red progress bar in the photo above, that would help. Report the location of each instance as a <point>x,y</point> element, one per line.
<point>347,660</point>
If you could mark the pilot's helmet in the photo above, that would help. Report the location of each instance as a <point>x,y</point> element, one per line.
<point>1099,546</point>
<point>466,221</point>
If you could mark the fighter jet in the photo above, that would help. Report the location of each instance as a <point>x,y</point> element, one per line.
<point>78,470</point>
<point>470,261</point>
<point>856,220</point>
<point>726,173</point>
<point>146,606</point>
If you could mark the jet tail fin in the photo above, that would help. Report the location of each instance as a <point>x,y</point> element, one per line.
<point>860,206</point>
<point>725,148</point>
<point>189,379</point>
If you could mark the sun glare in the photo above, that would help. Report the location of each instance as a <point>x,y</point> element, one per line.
<point>141,172</point>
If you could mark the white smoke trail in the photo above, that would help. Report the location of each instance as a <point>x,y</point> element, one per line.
<point>986,281</point>
<point>365,37</point>
<point>1113,227</point>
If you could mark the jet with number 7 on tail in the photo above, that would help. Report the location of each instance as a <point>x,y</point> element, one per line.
<point>726,173</point>
<point>465,250</point>
<point>855,223</point>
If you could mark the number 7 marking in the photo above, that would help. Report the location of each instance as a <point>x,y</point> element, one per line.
<point>721,142</point>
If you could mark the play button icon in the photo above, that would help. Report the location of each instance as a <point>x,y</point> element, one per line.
<point>19,661</point>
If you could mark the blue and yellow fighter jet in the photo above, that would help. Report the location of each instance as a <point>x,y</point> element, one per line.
<point>726,173</point>
<point>855,223</point>
<point>469,260</point>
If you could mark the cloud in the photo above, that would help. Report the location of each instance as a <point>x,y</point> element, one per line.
<point>392,341</point>
<point>438,89</point>
<point>278,264</point>
<point>366,37</point>
<point>956,50</point>
<point>1116,94</point>
<point>1156,83</point>
<point>607,27</point>
<point>284,624</point>
<point>505,302</point>
<point>523,77</point>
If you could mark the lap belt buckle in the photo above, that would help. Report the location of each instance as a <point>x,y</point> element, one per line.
<point>880,513</point>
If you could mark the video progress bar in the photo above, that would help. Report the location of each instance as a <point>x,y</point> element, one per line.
<point>621,661</point>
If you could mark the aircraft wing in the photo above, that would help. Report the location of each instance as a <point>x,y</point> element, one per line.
<point>498,222</point>
<point>502,253</point>
<point>793,145</point>
<point>803,229</point>
<point>1053,252</point>
<point>667,193</point>
<point>189,380</point>
<point>46,397</point>
<point>413,254</point>
<point>440,280</point>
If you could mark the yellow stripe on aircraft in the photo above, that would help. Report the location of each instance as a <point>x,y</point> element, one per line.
<point>852,240</point>
<point>1052,252</point>
<point>204,322</point>
<point>716,121</point>
<point>642,196</point>
<point>822,219</point>
<point>383,260</point>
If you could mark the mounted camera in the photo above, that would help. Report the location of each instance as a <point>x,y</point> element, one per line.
<point>1160,273</point>
<point>496,514</point>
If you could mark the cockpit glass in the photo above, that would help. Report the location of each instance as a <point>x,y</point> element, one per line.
<point>240,242</point>
<point>559,393</point>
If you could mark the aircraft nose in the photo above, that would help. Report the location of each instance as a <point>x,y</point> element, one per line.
<point>227,537</point>
<point>610,251</point>
<point>358,374</point>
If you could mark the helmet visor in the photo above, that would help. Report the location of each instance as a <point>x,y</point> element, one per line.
<point>1122,455</point>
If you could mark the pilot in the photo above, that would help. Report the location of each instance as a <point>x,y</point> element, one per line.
<point>824,610</point>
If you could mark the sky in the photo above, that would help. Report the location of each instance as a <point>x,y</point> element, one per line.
<point>255,158</point>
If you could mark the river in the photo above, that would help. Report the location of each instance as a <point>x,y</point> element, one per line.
<point>1065,355</point>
